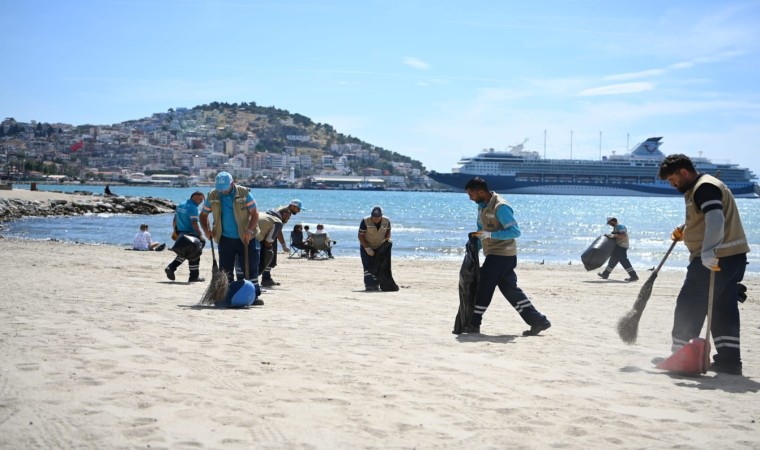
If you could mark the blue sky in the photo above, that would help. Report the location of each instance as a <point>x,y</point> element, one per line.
<point>434,80</point>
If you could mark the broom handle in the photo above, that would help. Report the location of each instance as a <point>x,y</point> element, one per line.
<point>245,255</point>
<point>710,293</point>
<point>665,257</point>
<point>672,246</point>
<point>213,253</point>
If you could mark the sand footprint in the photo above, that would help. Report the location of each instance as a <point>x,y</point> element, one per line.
<point>28,367</point>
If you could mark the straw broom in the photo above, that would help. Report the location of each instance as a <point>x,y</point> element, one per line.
<point>628,325</point>
<point>217,288</point>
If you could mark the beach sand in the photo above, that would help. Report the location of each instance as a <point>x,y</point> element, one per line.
<point>44,196</point>
<point>99,350</point>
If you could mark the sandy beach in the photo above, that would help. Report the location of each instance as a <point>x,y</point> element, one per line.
<point>99,350</point>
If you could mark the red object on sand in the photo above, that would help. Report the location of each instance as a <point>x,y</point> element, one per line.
<point>689,360</point>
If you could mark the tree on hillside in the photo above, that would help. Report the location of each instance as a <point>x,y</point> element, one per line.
<point>298,119</point>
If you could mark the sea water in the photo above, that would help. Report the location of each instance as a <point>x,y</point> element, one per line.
<point>425,225</point>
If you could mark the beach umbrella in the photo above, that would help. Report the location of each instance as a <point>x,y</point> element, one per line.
<point>628,325</point>
<point>217,288</point>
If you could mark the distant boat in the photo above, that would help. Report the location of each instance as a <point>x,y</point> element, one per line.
<point>518,171</point>
<point>369,187</point>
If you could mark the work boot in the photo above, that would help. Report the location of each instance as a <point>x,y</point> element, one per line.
<point>258,302</point>
<point>632,279</point>
<point>471,329</point>
<point>196,280</point>
<point>170,273</point>
<point>603,275</point>
<point>535,329</point>
<point>269,283</point>
<point>726,367</point>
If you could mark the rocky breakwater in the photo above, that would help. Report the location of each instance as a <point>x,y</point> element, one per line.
<point>14,208</point>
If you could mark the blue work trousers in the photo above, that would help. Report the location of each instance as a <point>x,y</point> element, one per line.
<point>499,271</point>
<point>231,249</point>
<point>691,306</point>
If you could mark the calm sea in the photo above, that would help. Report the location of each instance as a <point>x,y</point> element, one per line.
<point>426,225</point>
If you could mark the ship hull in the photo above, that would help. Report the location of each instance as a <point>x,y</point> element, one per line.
<point>510,185</point>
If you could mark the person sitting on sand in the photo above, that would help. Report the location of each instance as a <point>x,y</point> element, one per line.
<point>144,241</point>
<point>297,239</point>
<point>325,238</point>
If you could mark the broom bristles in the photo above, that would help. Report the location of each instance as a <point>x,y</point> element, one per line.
<point>628,325</point>
<point>217,288</point>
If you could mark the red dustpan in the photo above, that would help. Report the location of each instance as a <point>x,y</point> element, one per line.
<point>694,357</point>
<point>689,360</point>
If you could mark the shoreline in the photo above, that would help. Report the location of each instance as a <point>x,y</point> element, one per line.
<point>148,205</point>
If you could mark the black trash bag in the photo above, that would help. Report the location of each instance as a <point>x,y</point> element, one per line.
<point>469,276</point>
<point>380,267</point>
<point>188,247</point>
<point>598,252</point>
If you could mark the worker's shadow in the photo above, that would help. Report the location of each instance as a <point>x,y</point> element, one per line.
<point>729,383</point>
<point>478,337</point>
<point>719,381</point>
<point>605,281</point>
<point>217,308</point>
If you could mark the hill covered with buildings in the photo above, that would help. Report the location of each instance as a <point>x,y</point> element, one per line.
<point>260,146</point>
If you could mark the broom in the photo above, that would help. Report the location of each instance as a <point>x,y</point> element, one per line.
<point>710,294</point>
<point>628,325</point>
<point>217,288</point>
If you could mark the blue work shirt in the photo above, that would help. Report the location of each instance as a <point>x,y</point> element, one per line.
<point>229,226</point>
<point>186,214</point>
<point>506,218</point>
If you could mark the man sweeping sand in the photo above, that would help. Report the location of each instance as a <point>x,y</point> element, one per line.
<point>715,238</point>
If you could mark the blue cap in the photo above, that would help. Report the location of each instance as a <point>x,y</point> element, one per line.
<point>223,181</point>
<point>297,203</point>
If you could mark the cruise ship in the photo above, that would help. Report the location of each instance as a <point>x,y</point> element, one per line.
<point>519,171</point>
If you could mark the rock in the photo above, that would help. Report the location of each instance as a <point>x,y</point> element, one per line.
<point>12,209</point>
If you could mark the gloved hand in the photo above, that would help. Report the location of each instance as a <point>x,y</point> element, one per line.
<point>369,251</point>
<point>677,234</point>
<point>482,235</point>
<point>709,260</point>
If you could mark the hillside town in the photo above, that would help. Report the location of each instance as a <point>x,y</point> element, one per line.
<point>260,146</point>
